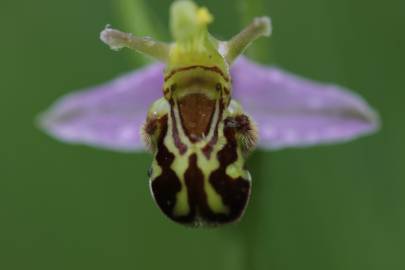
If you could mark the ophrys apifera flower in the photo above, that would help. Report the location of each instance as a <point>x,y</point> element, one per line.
<point>186,111</point>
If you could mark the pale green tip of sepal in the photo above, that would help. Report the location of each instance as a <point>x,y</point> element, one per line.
<point>117,40</point>
<point>265,24</point>
<point>112,38</point>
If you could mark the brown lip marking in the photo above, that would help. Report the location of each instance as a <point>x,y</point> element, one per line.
<point>196,112</point>
<point>177,141</point>
<point>234,192</point>
<point>151,126</point>
<point>194,180</point>
<point>165,186</point>
<point>200,212</point>
<point>213,69</point>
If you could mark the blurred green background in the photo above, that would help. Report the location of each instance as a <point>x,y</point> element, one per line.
<point>74,207</point>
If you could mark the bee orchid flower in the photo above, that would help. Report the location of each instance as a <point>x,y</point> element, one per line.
<point>195,126</point>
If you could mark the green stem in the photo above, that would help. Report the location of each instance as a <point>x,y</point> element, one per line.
<point>252,230</point>
<point>245,237</point>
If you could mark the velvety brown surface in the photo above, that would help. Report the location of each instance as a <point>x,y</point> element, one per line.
<point>196,112</point>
